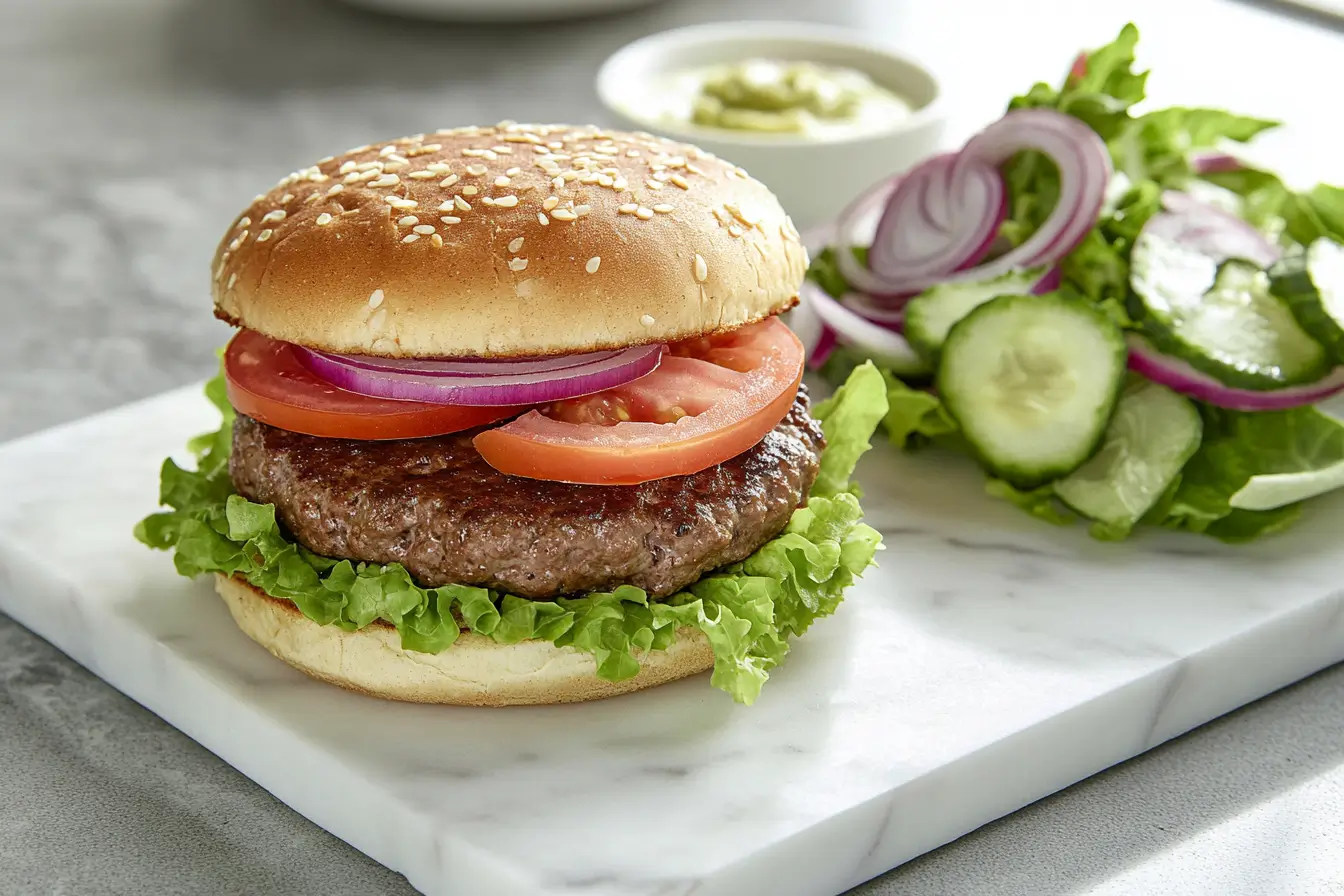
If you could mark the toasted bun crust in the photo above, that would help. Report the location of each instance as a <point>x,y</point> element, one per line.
<point>508,241</point>
<point>475,671</point>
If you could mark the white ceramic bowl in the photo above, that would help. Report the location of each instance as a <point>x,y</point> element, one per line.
<point>498,10</point>
<point>814,179</point>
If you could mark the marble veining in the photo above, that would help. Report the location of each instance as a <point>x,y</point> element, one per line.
<point>987,662</point>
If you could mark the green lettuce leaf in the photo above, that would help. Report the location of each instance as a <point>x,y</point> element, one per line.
<point>914,417</point>
<point>1240,449</point>
<point>825,270</point>
<point>1039,502</point>
<point>747,611</point>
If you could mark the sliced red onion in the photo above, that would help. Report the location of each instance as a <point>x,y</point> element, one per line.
<point>1179,376</point>
<point>411,384</point>
<point>1215,163</point>
<point>890,312</point>
<point>468,366</point>
<point>939,219</point>
<point>854,329</point>
<point>1084,168</point>
<point>1210,231</point>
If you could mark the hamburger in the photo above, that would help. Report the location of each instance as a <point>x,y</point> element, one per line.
<point>511,417</point>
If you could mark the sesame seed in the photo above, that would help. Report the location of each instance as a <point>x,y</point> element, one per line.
<point>346,167</point>
<point>323,219</point>
<point>422,175</point>
<point>632,153</point>
<point>387,150</point>
<point>425,229</point>
<point>507,201</point>
<point>643,213</point>
<point>476,170</point>
<point>620,184</point>
<point>352,177</point>
<point>678,181</point>
<point>647,320</point>
<point>501,181</point>
<point>653,185</point>
<point>516,244</point>
<point>233,278</point>
<point>386,180</point>
<point>605,180</point>
<point>451,219</point>
<point>437,241</point>
<point>264,235</point>
<point>701,269</point>
<point>399,203</point>
<point>439,167</point>
<point>410,237</point>
<point>550,203</point>
<point>592,265</point>
<point>375,298</point>
<point>564,214</point>
<point>741,172</point>
<point>558,182</point>
<point>238,241</point>
<point>311,198</point>
<point>582,210</point>
<point>662,208</point>
<point>469,190</point>
<point>461,204</point>
<point>542,219</point>
<point>244,222</point>
<point>377,319</point>
<point>663,175</point>
<point>513,172</point>
<point>369,166</point>
<point>277,215</point>
<point>487,200</point>
<point>517,264</point>
<point>501,148</point>
<point>407,221</point>
<point>287,198</point>
<point>734,231</point>
<point>628,209</point>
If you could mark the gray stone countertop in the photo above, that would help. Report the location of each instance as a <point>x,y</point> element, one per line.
<point>132,130</point>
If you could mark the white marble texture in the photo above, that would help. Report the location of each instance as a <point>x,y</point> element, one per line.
<point>988,662</point>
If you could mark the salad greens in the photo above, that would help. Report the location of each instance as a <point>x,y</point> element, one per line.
<point>747,611</point>
<point>1251,470</point>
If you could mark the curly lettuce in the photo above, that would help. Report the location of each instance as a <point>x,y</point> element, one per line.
<point>747,611</point>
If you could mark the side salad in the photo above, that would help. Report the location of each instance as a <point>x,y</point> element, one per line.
<point>1119,320</point>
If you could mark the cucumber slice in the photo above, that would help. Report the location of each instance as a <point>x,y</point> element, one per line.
<point>1032,381</point>
<point>1221,318</point>
<point>1153,433</point>
<point>931,314</point>
<point>1312,283</point>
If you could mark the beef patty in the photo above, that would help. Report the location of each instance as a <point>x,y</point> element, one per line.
<point>435,506</point>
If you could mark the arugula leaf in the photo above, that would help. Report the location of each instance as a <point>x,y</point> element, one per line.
<point>747,611</point>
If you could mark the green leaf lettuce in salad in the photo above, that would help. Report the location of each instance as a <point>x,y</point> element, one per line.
<point>747,611</point>
<point>1247,473</point>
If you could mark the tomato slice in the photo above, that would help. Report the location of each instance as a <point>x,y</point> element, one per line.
<point>267,381</point>
<point>710,400</point>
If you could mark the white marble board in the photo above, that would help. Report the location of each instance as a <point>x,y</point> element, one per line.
<point>991,660</point>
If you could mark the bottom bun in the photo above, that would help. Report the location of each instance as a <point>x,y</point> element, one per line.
<point>475,671</point>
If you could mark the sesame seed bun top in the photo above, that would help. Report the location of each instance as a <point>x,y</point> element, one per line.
<point>506,241</point>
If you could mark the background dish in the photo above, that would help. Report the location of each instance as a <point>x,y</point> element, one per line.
<point>814,179</point>
<point>499,10</point>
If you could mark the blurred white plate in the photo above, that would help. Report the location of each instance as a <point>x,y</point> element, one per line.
<point>1334,8</point>
<point>498,10</point>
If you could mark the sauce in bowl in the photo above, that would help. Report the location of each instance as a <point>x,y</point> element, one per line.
<point>791,99</point>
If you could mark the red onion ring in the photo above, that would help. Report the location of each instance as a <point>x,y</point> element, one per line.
<point>411,384</point>
<point>468,367</point>
<point>1179,376</point>
<point>939,219</point>
<point>1084,167</point>
<point>891,313</point>
<point>1210,231</point>
<point>857,330</point>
